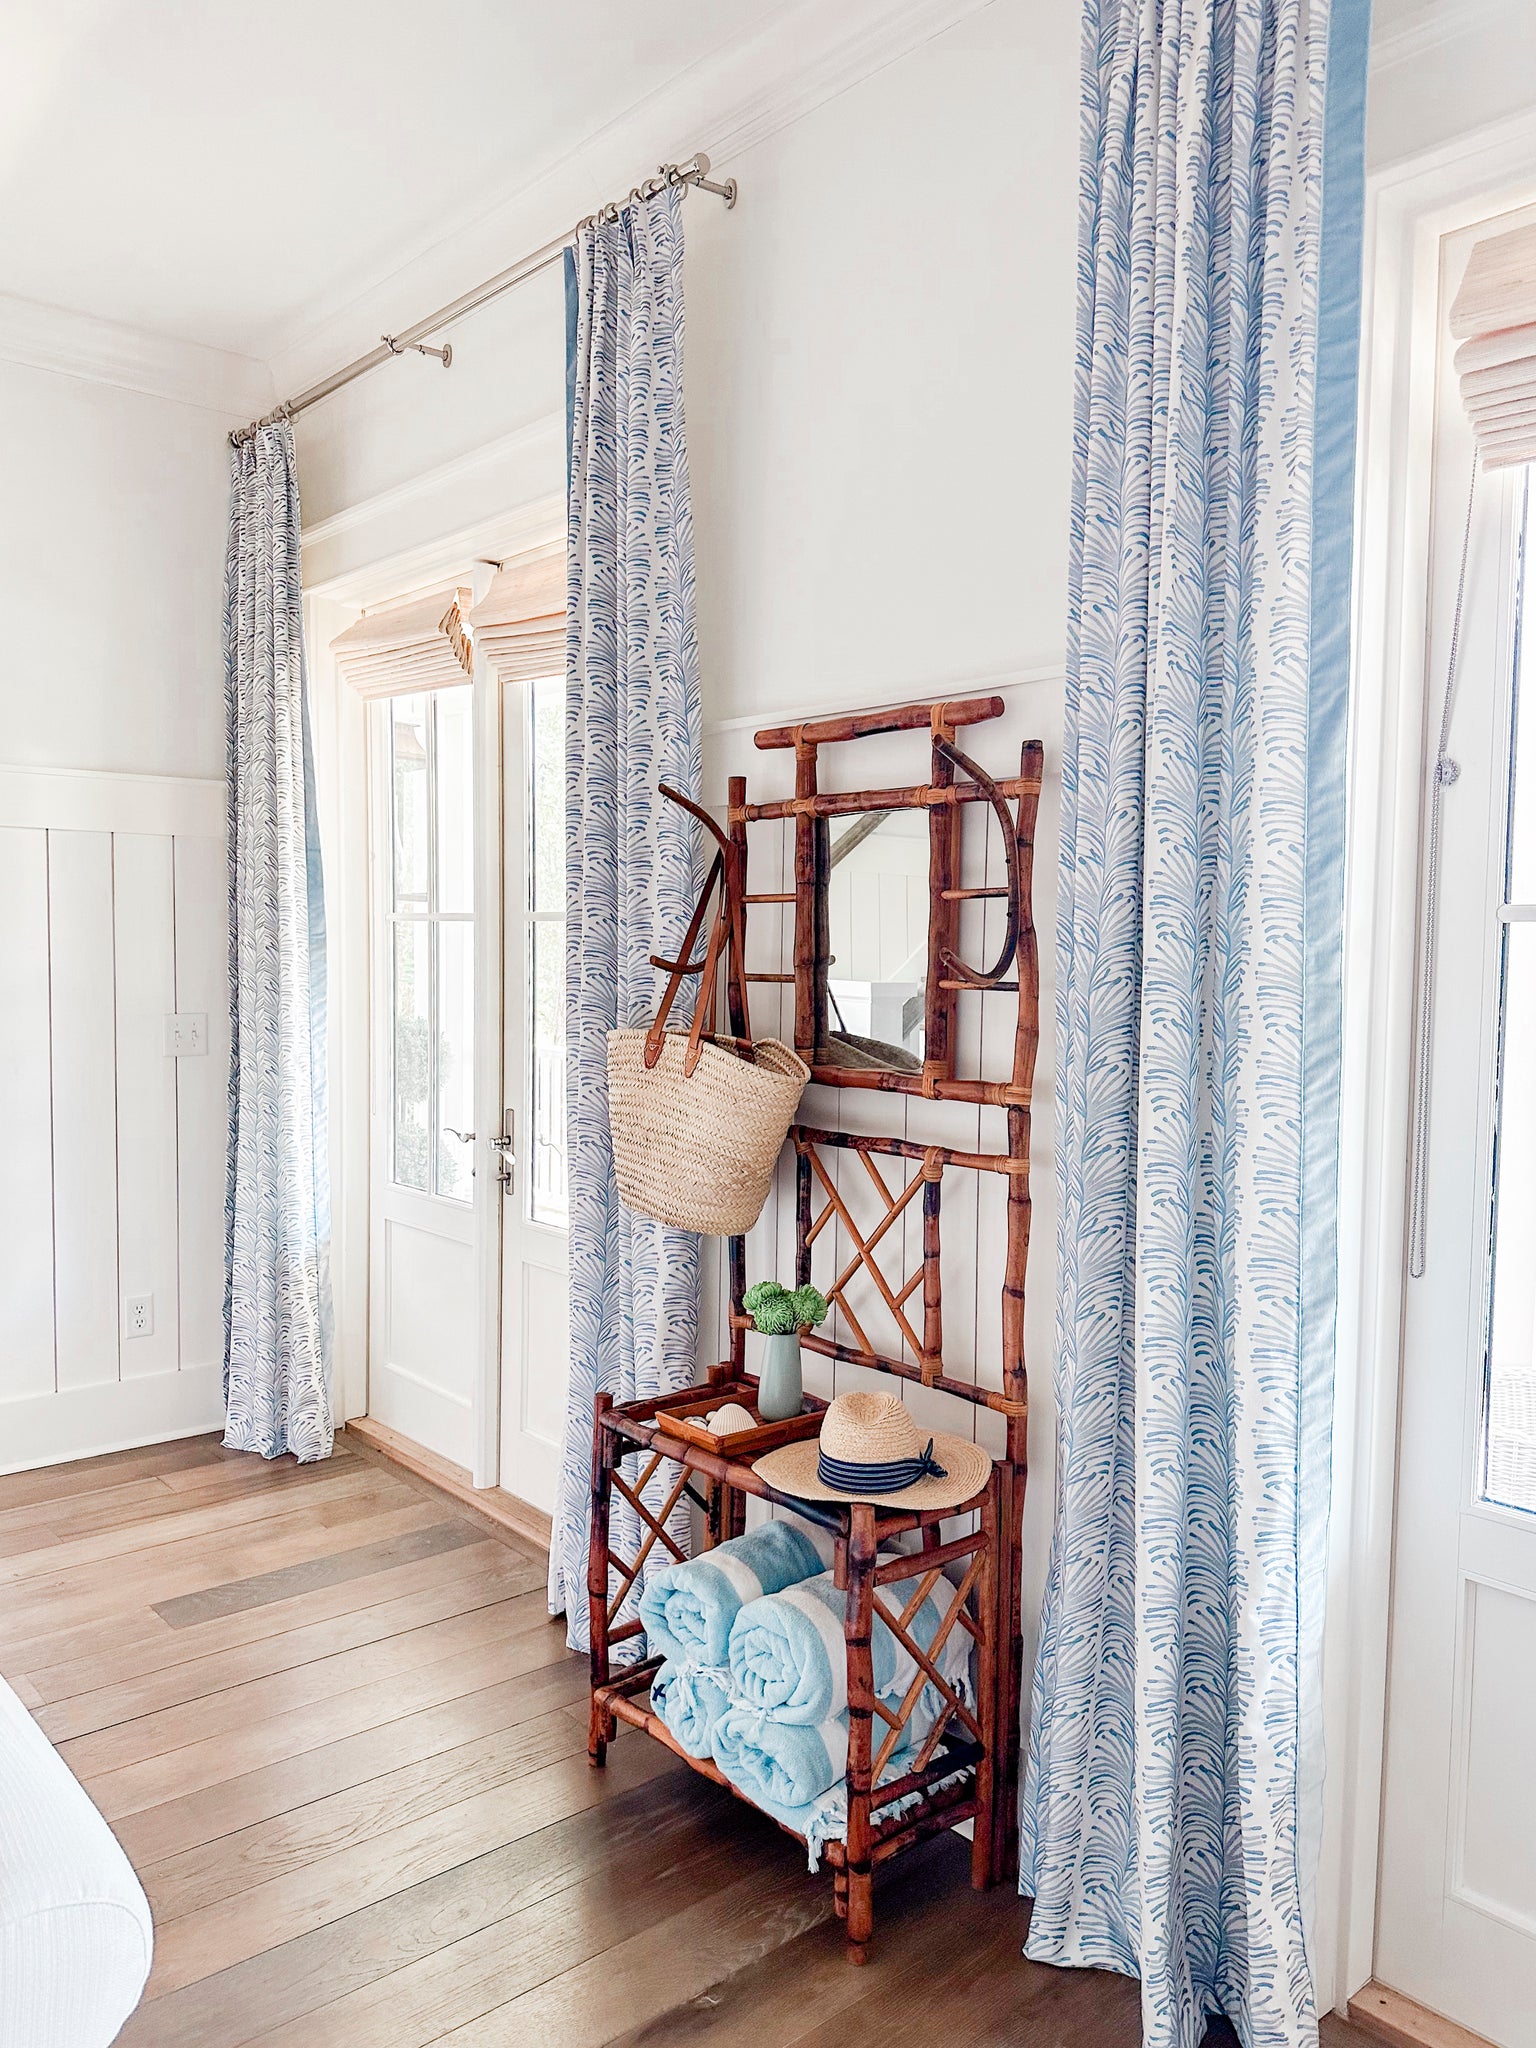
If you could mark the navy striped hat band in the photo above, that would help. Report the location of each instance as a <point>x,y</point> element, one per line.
<point>848,1476</point>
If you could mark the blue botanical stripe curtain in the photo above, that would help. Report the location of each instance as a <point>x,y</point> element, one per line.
<point>277,1206</point>
<point>632,720</point>
<point>1172,1792</point>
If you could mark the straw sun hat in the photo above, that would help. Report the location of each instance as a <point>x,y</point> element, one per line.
<point>871,1449</point>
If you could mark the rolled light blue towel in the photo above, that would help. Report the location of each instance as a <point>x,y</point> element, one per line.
<point>687,1609</point>
<point>779,1764</point>
<point>789,1657</point>
<point>690,1699</point>
<point>790,1770</point>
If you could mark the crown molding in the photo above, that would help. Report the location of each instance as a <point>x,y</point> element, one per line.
<point>823,74</point>
<point>103,352</point>
<point>1449,21</point>
<point>726,104</point>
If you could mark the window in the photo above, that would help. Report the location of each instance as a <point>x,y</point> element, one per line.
<point>431,925</point>
<point>544,954</point>
<point>1509,1409</point>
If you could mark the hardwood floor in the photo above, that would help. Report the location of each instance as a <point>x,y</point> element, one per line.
<point>328,1718</point>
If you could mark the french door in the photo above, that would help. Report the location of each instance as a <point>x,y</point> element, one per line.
<point>468,1275</point>
<point>1457,1909</point>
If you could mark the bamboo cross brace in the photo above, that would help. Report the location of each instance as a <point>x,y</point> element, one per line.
<point>965,1546</point>
<point>866,1259</point>
<point>630,1572</point>
<point>892,1210</point>
<point>927,1669</point>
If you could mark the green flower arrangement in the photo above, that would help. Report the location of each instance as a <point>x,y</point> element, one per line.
<point>776,1311</point>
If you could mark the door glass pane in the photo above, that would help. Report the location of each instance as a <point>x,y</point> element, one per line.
<point>546,1036</point>
<point>455,1057</point>
<point>454,793</point>
<point>411,1061</point>
<point>546,829</point>
<point>408,783</point>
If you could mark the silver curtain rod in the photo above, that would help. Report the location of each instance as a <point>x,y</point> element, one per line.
<point>694,172</point>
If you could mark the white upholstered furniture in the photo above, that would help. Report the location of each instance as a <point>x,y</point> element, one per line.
<point>75,1931</point>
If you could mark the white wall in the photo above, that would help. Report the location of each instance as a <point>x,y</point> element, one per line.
<point>878,385</point>
<point>112,514</point>
<point>1444,68</point>
<point>113,502</point>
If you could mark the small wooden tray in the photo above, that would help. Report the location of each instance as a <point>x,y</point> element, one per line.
<point>687,1422</point>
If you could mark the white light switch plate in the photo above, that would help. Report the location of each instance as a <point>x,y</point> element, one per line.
<point>186,1033</point>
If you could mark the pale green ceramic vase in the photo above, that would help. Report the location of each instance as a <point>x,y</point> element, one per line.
<point>780,1390</point>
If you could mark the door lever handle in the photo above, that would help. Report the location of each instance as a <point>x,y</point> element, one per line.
<point>464,1137</point>
<point>501,1144</point>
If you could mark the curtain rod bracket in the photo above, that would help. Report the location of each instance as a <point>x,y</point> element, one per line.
<point>398,348</point>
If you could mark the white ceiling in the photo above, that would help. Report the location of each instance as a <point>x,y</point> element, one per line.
<point>232,171</point>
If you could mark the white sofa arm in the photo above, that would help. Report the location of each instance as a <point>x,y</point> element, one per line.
<point>75,1932</point>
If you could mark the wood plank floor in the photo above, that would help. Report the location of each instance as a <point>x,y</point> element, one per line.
<point>328,1718</point>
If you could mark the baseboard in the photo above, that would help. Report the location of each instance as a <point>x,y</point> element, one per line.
<point>516,1516</point>
<point>1402,2022</point>
<point>116,1415</point>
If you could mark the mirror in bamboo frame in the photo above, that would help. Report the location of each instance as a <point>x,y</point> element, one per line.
<point>880,960</point>
<point>873,998</point>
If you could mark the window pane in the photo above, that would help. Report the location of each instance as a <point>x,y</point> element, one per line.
<point>455,794</point>
<point>1522,824</point>
<point>546,1035</point>
<point>408,784</point>
<point>1510,1441</point>
<point>411,1062</point>
<point>546,810</point>
<point>455,1057</point>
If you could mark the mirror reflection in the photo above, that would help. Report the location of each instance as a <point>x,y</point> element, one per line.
<point>877,941</point>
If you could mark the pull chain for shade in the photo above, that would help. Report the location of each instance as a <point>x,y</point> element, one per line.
<point>1442,775</point>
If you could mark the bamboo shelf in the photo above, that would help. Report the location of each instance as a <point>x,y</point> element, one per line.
<point>967,1767</point>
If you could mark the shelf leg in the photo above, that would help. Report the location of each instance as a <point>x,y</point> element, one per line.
<point>600,1724</point>
<point>984,1833</point>
<point>858,1629</point>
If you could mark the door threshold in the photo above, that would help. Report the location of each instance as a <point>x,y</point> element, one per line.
<point>518,1517</point>
<point>1389,2016</point>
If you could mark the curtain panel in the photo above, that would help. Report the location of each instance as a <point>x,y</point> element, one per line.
<point>277,1308</point>
<point>1173,1786</point>
<point>632,720</point>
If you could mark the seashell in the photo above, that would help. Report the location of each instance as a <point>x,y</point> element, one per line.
<point>732,1417</point>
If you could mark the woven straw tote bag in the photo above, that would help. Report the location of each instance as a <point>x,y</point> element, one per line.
<point>699,1119</point>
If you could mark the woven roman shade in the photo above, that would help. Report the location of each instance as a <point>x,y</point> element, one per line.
<point>423,644</point>
<point>520,622</point>
<point>1494,320</point>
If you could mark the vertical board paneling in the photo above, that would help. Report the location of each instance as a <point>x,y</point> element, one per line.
<point>202,1095</point>
<point>143,918</point>
<point>84,1107</point>
<point>26,1137</point>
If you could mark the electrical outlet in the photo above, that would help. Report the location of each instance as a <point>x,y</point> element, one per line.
<point>139,1315</point>
<point>186,1033</point>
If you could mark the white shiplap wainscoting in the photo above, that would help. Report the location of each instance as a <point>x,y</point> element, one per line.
<point>112,920</point>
